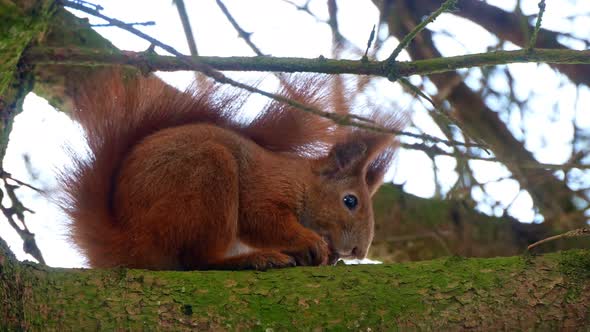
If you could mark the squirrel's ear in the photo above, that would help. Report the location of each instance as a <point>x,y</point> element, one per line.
<point>343,158</point>
<point>377,168</point>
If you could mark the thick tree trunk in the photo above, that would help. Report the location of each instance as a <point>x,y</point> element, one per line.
<point>545,292</point>
<point>20,24</point>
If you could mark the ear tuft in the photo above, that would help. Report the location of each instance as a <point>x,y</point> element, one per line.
<point>344,157</point>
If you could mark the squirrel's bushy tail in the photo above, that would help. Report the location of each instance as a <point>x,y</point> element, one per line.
<point>115,113</point>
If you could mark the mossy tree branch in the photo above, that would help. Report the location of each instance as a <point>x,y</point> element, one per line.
<point>21,23</point>
<point>149,61</point>
<point>549,292</point>
<point>545,292</point>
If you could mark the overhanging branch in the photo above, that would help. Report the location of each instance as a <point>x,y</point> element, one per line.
<point>152,62</point>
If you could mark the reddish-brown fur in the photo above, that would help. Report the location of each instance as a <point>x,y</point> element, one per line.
<point>175,181</point>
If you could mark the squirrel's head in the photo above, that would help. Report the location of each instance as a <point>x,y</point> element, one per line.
<point>338,203</point>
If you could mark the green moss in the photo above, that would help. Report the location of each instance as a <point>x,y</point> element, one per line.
<point>18,29</point>
<point>575,265</point>
<point>382,297</point>
<point>429,212</point>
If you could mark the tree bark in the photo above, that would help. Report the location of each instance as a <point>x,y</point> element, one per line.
<point>21,23</point>
<point>549,292</point>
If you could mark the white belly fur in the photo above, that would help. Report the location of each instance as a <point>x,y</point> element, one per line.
<point>238,248</point>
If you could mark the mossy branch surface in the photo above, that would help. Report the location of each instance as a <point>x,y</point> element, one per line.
<point>21,23</point>
<point>547,292</point>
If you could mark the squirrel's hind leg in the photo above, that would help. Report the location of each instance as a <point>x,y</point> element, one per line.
<point>211,220</point>
<point>180,200</point>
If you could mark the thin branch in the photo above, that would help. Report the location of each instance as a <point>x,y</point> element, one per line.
<point>446,6</point>
<point>304,8</point>
<point>378,129</point>
<point>95,12</point>
<point>186,25</point>
<point>6,175</point>
<point>580,232</point>
<point>437,151</point>
<point>351,120</point>
<point>449,118</point>
<point>17,209</point>
<point>337,37</point>
<point>533,39</point>
<point>523,23</point>
<point>369,43</point>
<point>346,120</point>
<point>145,24</point>
<point>241,32</point>
<point>92,57</point>
<point>90,4</point>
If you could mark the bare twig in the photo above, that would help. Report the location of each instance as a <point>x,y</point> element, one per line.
<point>145,24</point>
<point>437,151</point>
<point>351,120</point>
<point>241,32</point>
<point>88,3</point>
<point>446,6</point>
<point>337,37</point>
<point>533,39</point>
<point>369,42</point>
<point>6,175</point>
<point>449,118</point>
<point>303,8</point>
<point>17,209</point>
<point>523,23</point>
<point>220,78</point>
<point>95,12</point>
<point>186,25</point>
<point>580,232</point>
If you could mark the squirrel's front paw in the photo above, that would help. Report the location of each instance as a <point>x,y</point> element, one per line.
<point>314,252</point>
<point>270,259</point>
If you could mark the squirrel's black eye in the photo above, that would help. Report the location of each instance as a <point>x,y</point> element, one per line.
<point>350,201</point>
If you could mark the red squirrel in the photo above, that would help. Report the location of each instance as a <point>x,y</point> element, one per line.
<point>177,180</point>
